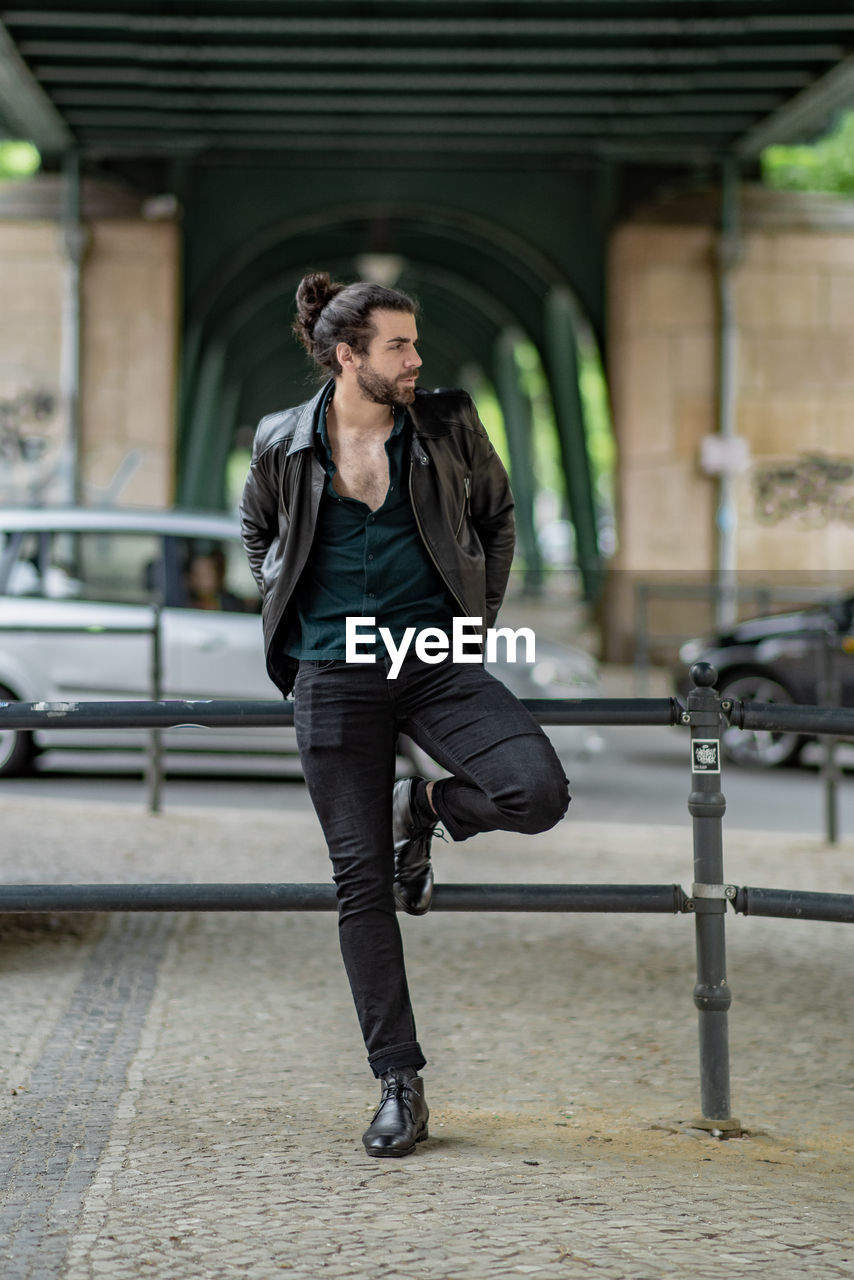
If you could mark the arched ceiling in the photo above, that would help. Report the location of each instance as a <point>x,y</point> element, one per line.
<point>264,357</point>
<point>459,324</point>
<point>497,277</point>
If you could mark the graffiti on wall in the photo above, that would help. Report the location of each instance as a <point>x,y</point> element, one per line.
<point>34,466</point>
<point>813,490</point>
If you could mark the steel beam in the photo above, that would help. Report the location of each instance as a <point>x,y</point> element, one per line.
<point>329,96</point>
<point>556,82</point>
<point>304,121</point>
<point>806,115</point>
<point>25,109</point>
<point>463,28</point>
<point>550,54</point>
<point>562,321</point>
<point>316,152</point>
<point>196,458</point>
<point>518,427</point>
<point>726,515</point>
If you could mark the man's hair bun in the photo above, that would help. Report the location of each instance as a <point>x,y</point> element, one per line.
<point>315,290</point>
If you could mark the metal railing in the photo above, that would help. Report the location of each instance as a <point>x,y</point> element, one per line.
<point>703,714</point>
<point>828,639</point>
<point>154,631</point>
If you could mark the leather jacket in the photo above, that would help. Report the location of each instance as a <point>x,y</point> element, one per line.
<point>458,488</point>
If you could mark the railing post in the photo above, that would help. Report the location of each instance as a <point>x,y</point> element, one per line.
<point>641,655</point>
<point>830,695</point>
<point>710,895</point>
<point>155,738</point>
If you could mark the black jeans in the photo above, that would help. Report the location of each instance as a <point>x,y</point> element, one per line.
<point>506,776</point>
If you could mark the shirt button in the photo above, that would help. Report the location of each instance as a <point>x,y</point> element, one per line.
<point>370,557</point>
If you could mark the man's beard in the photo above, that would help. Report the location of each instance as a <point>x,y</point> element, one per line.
<point>382,390</point>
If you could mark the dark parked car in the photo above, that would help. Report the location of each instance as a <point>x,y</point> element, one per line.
<point>777,658</point>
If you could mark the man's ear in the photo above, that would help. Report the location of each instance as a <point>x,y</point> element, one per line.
<point>344,354</point>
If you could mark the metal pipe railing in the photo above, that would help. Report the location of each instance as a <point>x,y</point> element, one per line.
<point>635,898</point>
<point>792,904</point>
<point>221,713</point>
<point>779,717</point>
<point>703,714</point>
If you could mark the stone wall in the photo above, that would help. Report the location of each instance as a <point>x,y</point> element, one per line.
<point>129,349</point>
<point>130,337</point>
<point>795,307</point>
<point>794,315</point>
<point>32,417</point>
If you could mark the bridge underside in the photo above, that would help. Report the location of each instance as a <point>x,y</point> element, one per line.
<point>477,155</point>
<point>481,285</point>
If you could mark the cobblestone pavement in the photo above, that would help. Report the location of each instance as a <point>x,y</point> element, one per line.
<point>183,1096</point>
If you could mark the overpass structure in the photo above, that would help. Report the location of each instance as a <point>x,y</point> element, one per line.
<point>477,154</point>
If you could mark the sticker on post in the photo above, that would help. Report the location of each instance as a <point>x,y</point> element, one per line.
<point>705,755</point>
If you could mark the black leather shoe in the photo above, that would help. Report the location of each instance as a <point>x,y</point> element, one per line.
<point>401,1118</point>
<point>413,871</point>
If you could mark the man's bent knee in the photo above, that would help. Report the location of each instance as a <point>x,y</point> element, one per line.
<point>540,792</point>
<point>546,801</point>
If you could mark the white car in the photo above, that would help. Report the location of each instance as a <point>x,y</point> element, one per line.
<point>78,588</point>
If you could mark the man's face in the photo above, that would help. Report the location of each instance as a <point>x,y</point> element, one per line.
<point>387,373</point>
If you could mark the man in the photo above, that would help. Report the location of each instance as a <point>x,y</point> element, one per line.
<point>377,500</point>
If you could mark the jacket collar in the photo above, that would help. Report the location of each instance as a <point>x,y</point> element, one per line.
<point>425,420</point>
<point>303,437</point>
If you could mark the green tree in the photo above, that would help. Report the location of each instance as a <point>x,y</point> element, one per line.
<point>18,159</point>
<point>827,165</point>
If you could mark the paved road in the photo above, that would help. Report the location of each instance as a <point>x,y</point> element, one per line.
<point>640,775</point>
<point>643,776</point>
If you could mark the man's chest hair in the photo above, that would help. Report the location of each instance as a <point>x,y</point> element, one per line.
<point>361,470</point>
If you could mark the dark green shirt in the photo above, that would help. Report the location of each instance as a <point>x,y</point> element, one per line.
<point>366,563</point>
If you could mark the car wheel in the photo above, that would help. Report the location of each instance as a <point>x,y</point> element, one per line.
<point>16,747</point>
<point>758,746</point>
